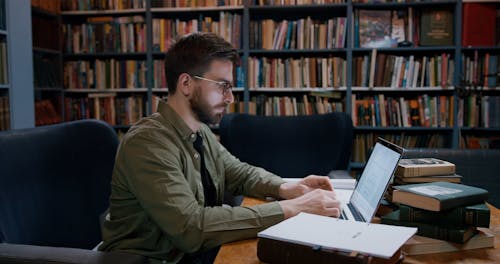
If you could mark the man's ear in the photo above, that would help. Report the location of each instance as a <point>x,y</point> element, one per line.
<point>185,84</point>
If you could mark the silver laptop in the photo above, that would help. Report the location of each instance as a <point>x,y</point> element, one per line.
<point>373,182</point>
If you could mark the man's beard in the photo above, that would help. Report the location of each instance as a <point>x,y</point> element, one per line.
<point>202,110</point>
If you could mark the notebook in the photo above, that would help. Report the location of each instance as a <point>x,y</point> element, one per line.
<point>373,182</point>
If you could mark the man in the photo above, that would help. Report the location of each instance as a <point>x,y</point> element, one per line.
<point>171,173</point>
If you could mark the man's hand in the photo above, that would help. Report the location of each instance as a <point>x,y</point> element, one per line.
<point>313,194</point>
<point>318,201</point>
<point>293,190</point>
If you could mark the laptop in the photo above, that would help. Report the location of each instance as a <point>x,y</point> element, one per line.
<point>373,182</point>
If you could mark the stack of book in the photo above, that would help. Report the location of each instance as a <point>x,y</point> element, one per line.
<point>443,211</point>
<point>420,170</point>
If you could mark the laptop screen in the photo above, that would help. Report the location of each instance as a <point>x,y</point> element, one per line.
<point>375,178</point>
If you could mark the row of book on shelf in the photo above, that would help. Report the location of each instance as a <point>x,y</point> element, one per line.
<point>422,111</point>
<point>106,74</point>
<point>481,70</point>
<point>374,28</point>
<point>294,2</point>
<point>86,5</point>
<point>106,34</point>
<point>127,33</point>
<point>479,110</point>
<point>375,111</point>
<point>83,5</point>
<point>103,106</point>
<point>375,70</point>
<point>264,105</point>
<point>471,141</point>
<point>297,72</point>
<point>203,3</point>
<point>53,6</point>
<point>364,142</point>
<point>4,113</point>
<point>166,31</point>
<point>314,72</point>
<point>449,215</point>
<point>305,33</point>
<point>385,70</point>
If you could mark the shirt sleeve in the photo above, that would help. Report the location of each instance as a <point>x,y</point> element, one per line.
<point>243,178</point>
<point>155,176</point>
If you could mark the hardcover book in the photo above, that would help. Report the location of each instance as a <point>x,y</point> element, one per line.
<point>418,245</point>
<point>374,28</point>
<point>431,230</point>
<point>455,178</point>
<point>436,27</point>
<point>424,167</point>
<point>477,215</point>
<point>438,196</point>
<point>333,234</point>
<point>276,251</point>
<point>478,24</point>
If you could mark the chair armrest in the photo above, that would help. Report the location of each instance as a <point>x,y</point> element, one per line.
<point>16,254</point>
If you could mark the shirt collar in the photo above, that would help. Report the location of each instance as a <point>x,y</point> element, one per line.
<point>176,121</point>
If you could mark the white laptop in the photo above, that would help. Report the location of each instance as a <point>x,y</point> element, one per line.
<point>373,182</point>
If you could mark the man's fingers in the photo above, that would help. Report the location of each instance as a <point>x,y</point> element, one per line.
<point>333,212</point>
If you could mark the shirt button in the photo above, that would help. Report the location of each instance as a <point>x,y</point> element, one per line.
<point>196,155</point>
<point>193,136</point>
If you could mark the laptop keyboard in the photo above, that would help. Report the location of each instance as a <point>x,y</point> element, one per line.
<point>355,213</point>
<point>357,216</point>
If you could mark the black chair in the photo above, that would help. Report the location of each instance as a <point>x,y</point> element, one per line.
<point>291,147</point>
<point>54,185</point>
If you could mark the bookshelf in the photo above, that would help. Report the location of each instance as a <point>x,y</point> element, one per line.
<point>4,72</point>
<point>279,75</point>
<point>16,80</point>
<point>47,62</point>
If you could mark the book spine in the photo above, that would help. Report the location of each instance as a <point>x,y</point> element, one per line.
<point>434,231</point>
<point>423,171</point>
<point>274,251</point>
<point>478,216</point>
<point>465,200</point>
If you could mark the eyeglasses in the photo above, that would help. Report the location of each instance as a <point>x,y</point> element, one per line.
<point>224,86</point>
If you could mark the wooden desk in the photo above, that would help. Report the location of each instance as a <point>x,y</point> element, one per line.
<point>245,252</point>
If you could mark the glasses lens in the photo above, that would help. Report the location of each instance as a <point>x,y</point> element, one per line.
<point>226,88</point>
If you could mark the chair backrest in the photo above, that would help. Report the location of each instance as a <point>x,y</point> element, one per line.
<point>291,147</point>
<point>55,182</point>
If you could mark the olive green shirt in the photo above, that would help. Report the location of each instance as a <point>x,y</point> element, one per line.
<point>157,201</point>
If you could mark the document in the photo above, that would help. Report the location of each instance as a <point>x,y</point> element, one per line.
<point>328,233</point>
<point>345,184</point>
<point>343,187</point>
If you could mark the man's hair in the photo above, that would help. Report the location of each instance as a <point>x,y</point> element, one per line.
<point>193,54</point>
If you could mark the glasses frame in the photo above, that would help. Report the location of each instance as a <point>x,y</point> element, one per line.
<point>224,86</point>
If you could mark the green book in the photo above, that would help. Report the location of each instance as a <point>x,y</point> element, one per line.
<point>436,28</point>
<point>477,215</point>
<point>438,196</point>
<point>432,231</point>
